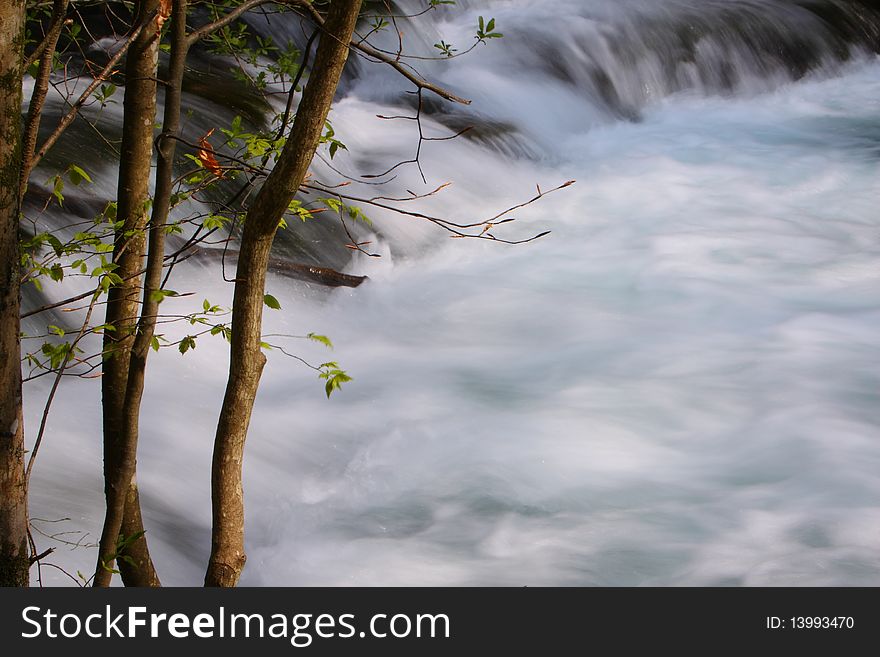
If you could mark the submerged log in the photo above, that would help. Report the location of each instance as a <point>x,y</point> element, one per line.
<point>311,273</point>
<point>322,275</point>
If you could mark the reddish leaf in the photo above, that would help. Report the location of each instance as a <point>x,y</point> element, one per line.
<point>206,155</point>
<point>164,13</point>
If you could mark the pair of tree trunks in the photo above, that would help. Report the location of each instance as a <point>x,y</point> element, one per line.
<point>16,161</point>
<point>122,379</point>
<point>136,567</point>
<point>127,347</point>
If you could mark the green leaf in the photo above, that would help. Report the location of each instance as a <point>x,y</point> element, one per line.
<point>103,328</point>
<point>158,296</point>
<point>445,48</point>
<point>271,301</point>
<point>77,175</point>
<point>215,221</point>
<point>323,339</point>
<point>357,214</point>
<point>57,188</point>
<point>335,381</point>
<point>332,203</point>
<point>108,568</point>
<point>189,342</point>
<point>55,243</point>
<point>109,213</point>
<point>222,329</point>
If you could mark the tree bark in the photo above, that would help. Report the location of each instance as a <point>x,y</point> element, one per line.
<point>120,450</point>
<point>246,359</point>
<point>14,554</point>
<point>41,88</point>
<point>153,281</point>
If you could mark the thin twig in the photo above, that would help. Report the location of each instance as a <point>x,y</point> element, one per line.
<point>107,71</point>
<point>406,71</point>
<point>55,384</point>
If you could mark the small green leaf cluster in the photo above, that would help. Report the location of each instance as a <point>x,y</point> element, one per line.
<point>329,137</point>
<point>333,376</point>
<point>445,48</point>
<point>485,30</point>
<point>55,355</point>
<point>353,211</point>
<point>215,222</point>
<point>322,339</point>
<point>207,318</point>
<point>74,173</point>
<point>274,65</point>
<point>122,543</point>
<point>102,95</point>
<point>74,254</point>
<point>256,146</point>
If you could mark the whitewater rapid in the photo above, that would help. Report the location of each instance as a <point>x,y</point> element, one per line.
<point>678,386</point>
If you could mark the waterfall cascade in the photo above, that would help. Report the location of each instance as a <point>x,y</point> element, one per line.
<point>677,386</point>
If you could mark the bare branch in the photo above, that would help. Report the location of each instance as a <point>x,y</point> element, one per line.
<point>174,257</point>
<point>293,85</point>
<point>105,74</point>
<point>38,96</point>
<point>365,48</point>
<point>41,555</point>
<point>51,38</point>
<point>50,399</point>
<point>207,29</point>
<point>458,230</point>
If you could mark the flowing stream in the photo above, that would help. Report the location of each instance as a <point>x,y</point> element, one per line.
<point>678,385</point>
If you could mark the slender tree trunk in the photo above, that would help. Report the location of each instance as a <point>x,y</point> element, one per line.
<point>246,360</point>
<point>14,555</point>
<point>120,449</point>
<point>152,282</point>
<point>41,88</point>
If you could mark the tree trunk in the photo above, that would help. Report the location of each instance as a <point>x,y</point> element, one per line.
<point>152,282</point>
<point>246,359</point>
<point>41,88</point>
<point>120,450</point>
<point>14,555</point>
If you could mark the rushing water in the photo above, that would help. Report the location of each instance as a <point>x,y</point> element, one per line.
<point>678,386</point>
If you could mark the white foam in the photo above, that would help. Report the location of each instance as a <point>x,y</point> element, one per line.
<point>677,386</point>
